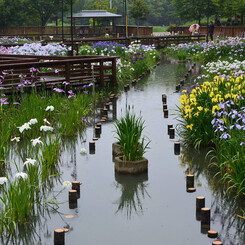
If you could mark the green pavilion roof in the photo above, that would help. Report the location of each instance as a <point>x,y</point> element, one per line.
<point>95,14</point>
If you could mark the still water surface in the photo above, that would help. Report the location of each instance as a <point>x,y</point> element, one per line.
<point>152,208</point>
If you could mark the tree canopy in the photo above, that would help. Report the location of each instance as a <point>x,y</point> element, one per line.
<point>164,12</point>
<point>30,12</point>
<point>139,13</point>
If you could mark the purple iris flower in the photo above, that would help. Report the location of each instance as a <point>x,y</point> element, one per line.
<point>225,135</point>
<point>59,90</point>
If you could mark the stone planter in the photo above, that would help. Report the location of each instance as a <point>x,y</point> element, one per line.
<point>130,167</point>
<point>116,149</point>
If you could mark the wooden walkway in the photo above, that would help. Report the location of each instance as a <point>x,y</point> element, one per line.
<point>51,71</point>
<point>158,42</point>
<point>66,71</point>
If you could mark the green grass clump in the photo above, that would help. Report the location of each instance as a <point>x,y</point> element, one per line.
<point>129,134</point>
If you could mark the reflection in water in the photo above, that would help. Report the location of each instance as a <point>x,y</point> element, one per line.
<point>31,232</point>
<point>225,208</point>
<point>133,188</point>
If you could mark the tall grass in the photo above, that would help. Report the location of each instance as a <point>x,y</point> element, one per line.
<point>129,131</point>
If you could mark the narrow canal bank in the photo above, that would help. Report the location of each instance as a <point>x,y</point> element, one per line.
<point>152,208</point>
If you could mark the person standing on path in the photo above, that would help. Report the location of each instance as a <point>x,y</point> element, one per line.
<point>211,30</point>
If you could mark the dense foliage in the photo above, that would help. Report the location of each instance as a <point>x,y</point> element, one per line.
<point>195,9</point>
<point>212,111</point>
<point>230,49</point>
<point>129,131</point>
<point>134,59</point>
<point>30,12</point>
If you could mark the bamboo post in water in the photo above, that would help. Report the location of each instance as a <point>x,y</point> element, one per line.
<point>164,98</point>
<point>92,147</point>
<point>92,67</point>
<point>205,213</point>
<point>189,181</point>
<point>73,199</point>
<point>76,186</point>
<point>212,234</point>
<point>200,203</point>
<point>59,237</point>
<point>176,148</point>
<point>169,126</point>
<point>217,243</point>
<point>171,133</point>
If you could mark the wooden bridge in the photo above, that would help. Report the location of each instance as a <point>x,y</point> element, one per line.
<point>66,71</point>
<point>25,71</point>
<point>158,41</point>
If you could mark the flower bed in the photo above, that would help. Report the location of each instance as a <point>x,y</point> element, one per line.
<point>36,49</point>
<point>212,111</point>
<point>134,59</point>
<point>15,40</point>
<point>230,49</point>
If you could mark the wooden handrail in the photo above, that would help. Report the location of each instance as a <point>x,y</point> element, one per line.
<point>72,67</point>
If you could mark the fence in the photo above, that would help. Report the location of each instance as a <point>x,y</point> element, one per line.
<point>76,71</point>
<point>219,31</point>
<point>39,33</point>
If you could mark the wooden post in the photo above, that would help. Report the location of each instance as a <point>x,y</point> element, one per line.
<point>107,105</point>
<point>176,148</point>
<point>171,133</point>
<point>114,71</point>
<point>99,125</point>
<point>72,195</point>
<point>189,181</point>
<point>165,113</point>
<point>217,243</point>
<point>212,234</point>
<point>164,98</point>
<point>169,126</point>
<point>177,88</point>
<point>105,111</point>
<point>59,237</point>
<point>205,213</point>
<point>91,145</point>
<point>76,186</point>
<point>67,71</point>
<point>97,130</point>
<point>102,81</point>
<point>200,203</point>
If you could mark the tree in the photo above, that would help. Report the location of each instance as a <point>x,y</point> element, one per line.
<point>229,8</point>
<point>193,9</point>
<point>103,5</point>
<point>47,8</point>
<point>12,12</point>
<point>138,11</point>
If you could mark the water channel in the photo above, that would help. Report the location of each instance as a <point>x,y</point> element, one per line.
<point>152,208</point>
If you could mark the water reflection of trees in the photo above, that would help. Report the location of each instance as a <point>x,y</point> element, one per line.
<point>225,207</point>
<point>134,191</point>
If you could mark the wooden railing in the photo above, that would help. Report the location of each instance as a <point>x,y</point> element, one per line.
<point>55,70</point>
<point>219,31</point>
<point>158,42</point>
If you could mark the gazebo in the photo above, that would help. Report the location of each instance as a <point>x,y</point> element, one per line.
<point>95,14</point>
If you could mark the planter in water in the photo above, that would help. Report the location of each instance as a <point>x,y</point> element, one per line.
<point>117,149</point>
<point>131,146</point>
<point>130,167</point>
